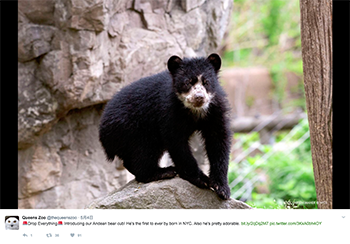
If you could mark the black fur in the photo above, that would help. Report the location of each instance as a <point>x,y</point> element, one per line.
<point>147,118</point>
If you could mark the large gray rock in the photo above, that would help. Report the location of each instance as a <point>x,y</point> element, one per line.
<point>73,55</point>
<point>34,41</point>
<point>164,194</point>
<point>67,168</point>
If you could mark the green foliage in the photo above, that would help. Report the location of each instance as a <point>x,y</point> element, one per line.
<point>247,139</point>
<point>273,20</point>
<point>286,173</point>
<point>267,32</point>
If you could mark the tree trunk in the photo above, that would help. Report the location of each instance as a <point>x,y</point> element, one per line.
<point>317,53</point>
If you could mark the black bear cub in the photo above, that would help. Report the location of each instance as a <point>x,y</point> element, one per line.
<point>160,113</point>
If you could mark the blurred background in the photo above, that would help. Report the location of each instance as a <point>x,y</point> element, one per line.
<point>271,163</point>
<point>73,55</point>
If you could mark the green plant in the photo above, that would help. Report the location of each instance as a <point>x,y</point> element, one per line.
<point>288,174</point>
<point>267,33</point>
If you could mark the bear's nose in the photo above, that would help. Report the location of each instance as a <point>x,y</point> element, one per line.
<point>198,99</point>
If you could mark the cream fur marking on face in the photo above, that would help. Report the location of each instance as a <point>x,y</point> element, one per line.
<point>12,224</point>
<point>197,98</point>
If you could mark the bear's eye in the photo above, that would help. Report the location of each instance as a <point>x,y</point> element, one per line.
<point>8,221</point>
<point>14,221</point>
<point>204,81</point>
<point>187,83</point>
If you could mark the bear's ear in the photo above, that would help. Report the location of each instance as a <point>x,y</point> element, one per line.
<point>215,60</point>
<point>174,63</point>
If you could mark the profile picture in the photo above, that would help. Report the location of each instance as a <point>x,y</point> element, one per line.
<point>11,222</point>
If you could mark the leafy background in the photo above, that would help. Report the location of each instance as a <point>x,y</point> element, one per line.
<point>267,33</point>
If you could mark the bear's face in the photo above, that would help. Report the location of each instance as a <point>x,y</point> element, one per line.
<point>195,81</point>
<point>12,224</point>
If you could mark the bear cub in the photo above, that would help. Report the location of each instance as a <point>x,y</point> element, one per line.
<point>160,113</point>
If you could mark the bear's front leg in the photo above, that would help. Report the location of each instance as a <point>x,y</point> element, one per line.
<point>218,171</point>
<point>218,144</point>
<point>186,165</point>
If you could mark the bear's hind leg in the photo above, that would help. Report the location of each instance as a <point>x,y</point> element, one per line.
<point>158,174</point>
<point>147,169</point>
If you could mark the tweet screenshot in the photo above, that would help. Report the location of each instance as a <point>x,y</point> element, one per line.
<point>46,226</point>
<point>173,121</point>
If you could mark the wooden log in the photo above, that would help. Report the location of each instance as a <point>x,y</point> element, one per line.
<point>270,122</point>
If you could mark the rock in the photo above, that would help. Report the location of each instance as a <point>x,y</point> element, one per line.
<point>67,168</point>
<point>248,90</point>
<point>194,29</point>
<point>188,5</point>
<point>217,16</point>
<point>36,106</point>
<point>175,193</point>
<point>44,171</point>
<point>154,22</point>
<point>73,56</point>
<point>139,5</point>
<point>93,18</point>
<point>33,41</point>
<point>117,24</point>
<point>38,11</point>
